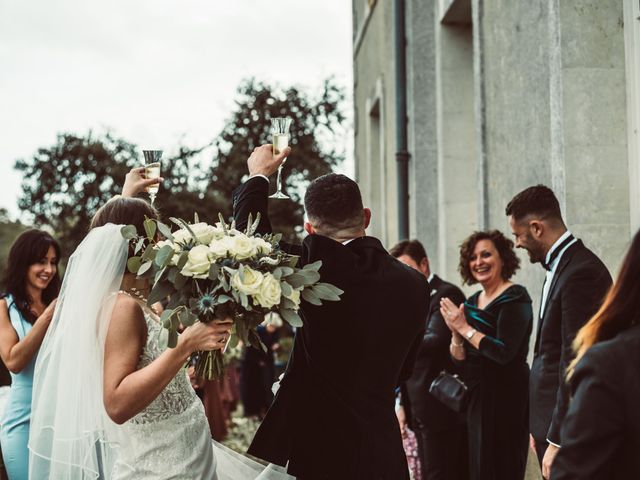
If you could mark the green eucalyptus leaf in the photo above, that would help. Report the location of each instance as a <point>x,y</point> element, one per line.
<point>129,232</point>
<point>173,339</point>
<point>296,280</point>
<point>311,297</point>
<point>286,303</point>
<point>291,317</point>
<point>165,318</point>
<point>150,228</point>
<point>149,253</point>
<point>164,230</point>
<point>160,291</point>
<point>159,275</point>
<point>214,270</point>
<point>185,317</point>
<point>164,255</point>
<point>182,260</point>
<point>224,299</point>
<point>286,289</point>
<point>310,276</point>
<point>133,264</point>
<point>313,266</point>
<point>144,268</point>
<point>171,276</point>
<point>325,293</point>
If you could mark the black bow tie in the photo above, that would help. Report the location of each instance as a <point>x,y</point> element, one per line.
<point>556,252</point>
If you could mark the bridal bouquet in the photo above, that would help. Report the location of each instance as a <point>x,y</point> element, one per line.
<point>215,271</point>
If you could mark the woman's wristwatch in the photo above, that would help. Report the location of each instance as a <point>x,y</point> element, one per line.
<point>470,333</point>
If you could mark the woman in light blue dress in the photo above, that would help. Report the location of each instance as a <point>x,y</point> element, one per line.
<point>32,284</point>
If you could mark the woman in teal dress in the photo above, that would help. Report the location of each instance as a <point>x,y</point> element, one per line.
<point>32,284</point>
<point>490,340</point>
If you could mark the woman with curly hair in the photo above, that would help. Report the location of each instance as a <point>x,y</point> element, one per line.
<point>490,339</point>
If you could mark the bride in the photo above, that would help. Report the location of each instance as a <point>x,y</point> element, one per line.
<point>109,401</point>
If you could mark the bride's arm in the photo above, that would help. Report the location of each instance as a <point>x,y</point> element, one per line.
<point>127,391</point>
<point>17,353</point>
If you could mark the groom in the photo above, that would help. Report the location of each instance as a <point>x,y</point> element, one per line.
<point>333,416</point>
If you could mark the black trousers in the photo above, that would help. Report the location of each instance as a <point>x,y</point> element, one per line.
<point>443,453</point>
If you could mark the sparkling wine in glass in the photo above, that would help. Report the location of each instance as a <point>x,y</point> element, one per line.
<point>152,170</point>
<point>280,140</point>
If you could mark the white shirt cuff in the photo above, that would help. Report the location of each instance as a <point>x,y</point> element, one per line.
<point>258,175</point>
<point>554,444</point>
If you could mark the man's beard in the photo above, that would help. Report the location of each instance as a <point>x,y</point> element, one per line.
<point>535,251</point>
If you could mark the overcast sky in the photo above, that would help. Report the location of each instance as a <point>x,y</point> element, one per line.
<point>152,71</point>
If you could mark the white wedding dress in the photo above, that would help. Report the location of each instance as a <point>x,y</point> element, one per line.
<point>72,437</point>
<point>170,438</point>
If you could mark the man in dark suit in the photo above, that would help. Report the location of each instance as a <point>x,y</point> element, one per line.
<point>439,430</point>
<point>333,415</point>
<point>574,289</point>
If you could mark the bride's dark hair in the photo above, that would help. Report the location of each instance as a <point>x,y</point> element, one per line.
<point>125,211</point>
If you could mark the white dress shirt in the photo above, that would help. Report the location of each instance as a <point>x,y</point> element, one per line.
<point>554,265</point>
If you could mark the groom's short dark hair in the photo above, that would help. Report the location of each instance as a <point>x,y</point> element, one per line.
<point>538,201</point>
<point>333,203</point>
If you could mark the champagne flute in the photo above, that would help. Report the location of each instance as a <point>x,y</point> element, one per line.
<point>152,170</point>
<point>280,139</point>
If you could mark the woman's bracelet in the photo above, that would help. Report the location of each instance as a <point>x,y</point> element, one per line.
<point>461,344</point>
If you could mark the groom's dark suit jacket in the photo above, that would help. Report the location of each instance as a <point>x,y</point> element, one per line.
<point>577,290</point>
<point>333,416</point>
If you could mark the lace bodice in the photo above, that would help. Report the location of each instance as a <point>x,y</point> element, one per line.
<point>170,439</point>
<point>178,395</point>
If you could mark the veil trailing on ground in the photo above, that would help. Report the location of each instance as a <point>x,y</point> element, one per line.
<point>71,435</point>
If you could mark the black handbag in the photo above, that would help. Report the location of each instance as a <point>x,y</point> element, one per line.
<point>450,390</point>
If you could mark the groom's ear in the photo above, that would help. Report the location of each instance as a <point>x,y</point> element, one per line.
<point>309,228</point>
<point>367,217</point>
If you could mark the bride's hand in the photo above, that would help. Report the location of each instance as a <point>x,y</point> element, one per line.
<point>135,182</point>
<point>207,336</point>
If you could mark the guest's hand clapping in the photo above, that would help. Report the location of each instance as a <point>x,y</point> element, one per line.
<point>263,162</point>
<point>206,336</point>
<point>453,316</point>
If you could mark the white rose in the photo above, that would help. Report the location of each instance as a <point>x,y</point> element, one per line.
<point>182,236</point>
<point>198,262</point>
<point>219,248</point>
<point>270,292</point>
<point>205,233</point>
<point>241,247</point>
<point>262,246</point>
<point>249,282</point>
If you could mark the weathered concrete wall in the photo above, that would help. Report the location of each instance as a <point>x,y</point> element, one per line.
<point>422,128</point>
<point>594,137</point>
<point>457,153</point>
<point>375,157</point>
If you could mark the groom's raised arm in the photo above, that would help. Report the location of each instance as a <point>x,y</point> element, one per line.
<point>251,196</point>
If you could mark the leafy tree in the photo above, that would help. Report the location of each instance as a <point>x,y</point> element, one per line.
<point>64,185</point>
<point>9,231</point>
<point>313,120</point>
